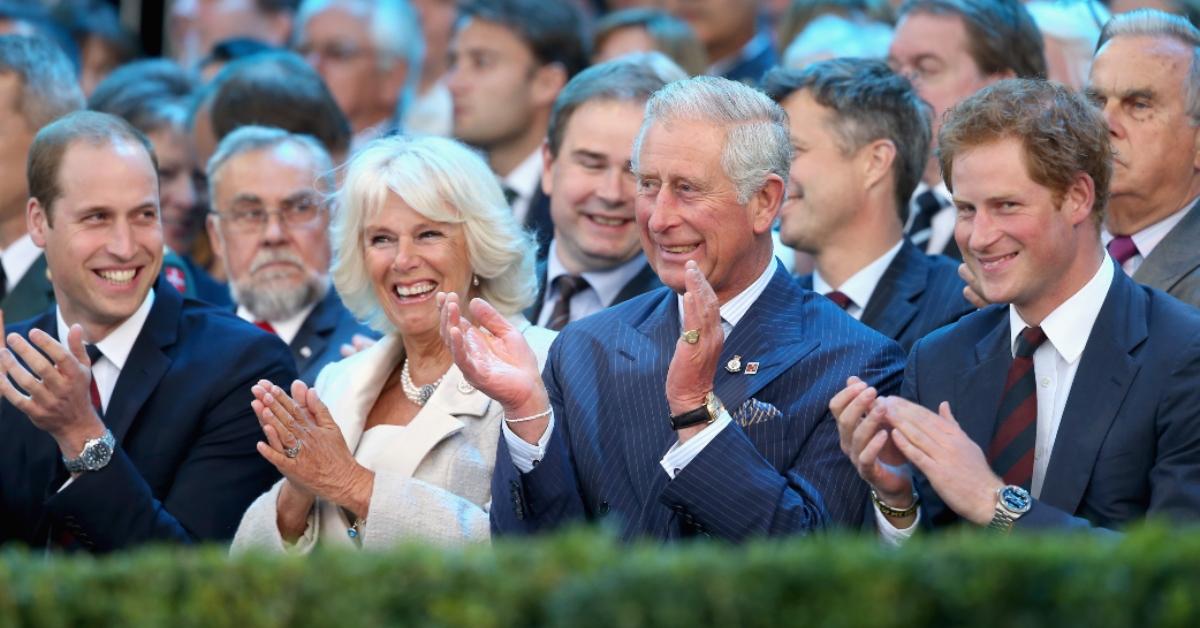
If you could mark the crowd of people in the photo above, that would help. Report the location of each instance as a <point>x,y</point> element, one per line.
<point>360,272</point>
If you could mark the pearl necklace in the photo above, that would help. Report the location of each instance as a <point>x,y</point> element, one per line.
<point>417,394</point>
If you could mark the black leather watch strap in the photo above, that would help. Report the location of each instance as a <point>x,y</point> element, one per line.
<point>690,418</point>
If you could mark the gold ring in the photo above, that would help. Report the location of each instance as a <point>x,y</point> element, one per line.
<point>691,336</point>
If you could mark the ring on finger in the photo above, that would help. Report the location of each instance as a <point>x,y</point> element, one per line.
<point>293,451</point>
<point>691,336</point>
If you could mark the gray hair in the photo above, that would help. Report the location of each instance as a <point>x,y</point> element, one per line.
<point>253,138</point>
<point>1152,23</point>
<point>49,89</point>
<point>444,181</point>
<point>756,128</point>
<point>395,33</point>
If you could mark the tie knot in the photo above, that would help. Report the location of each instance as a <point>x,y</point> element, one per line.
<point>510,194</point>
<point>93,352</point>
<point>1122,248</point>
<point>265,326</point>
<point>839,297</point>
<point>569,285</point>
<point>1030,339</point>
<point>929,202</point>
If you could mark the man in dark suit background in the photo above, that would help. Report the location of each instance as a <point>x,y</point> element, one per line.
<point>270,228</point>
<point>1074,406</point>
<point>629,423</point>
<point>37,86</point>
<point>595,259</point>
<point>862,139</point>
<point>146,434</point>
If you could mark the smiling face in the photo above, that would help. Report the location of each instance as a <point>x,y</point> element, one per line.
<point>591,187</point>
<point>687,209</point>
<point>102,236</point>
<point>411,258</point>
<point>1023,247</point>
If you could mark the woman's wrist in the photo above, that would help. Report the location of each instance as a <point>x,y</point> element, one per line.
<point>357,494</point>
<point>292,508</point>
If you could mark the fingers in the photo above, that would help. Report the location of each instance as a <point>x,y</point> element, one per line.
<point>268,419</point>
<point>1,329</point>
<point>74,344</point>
<point>914,454</point>
<point>10,392</point>
<point>317,409</point>
<point>838,403</point>
<point>272,399</point>
<point>273,438</point>
<point>944,412</point>
<point>486,317</point>
<point>915,430</point>
<point>35,361</point>
<point>279,460</point>
<point>971,292</point>
<point>19,375</point>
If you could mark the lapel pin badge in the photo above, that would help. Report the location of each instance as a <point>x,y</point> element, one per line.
<point>751,368</point>
<point>465,388</point>
<point>734,365</point>
<point>305,352</point>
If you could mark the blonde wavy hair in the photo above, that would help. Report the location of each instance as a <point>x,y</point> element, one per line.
<point>444,181</point>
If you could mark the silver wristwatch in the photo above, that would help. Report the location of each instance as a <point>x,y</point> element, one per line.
<point>1011,503</point>
<point>95,455</point>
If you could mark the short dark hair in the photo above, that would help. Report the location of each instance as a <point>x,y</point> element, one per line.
<point>49,88</point>
<point>1062,134</point>
<point>868,102</point>
<point>672,36</point>
<point>151,94</point>
<point>276,6</point>
<point>278,89</point>
<point>1001,34</point>
<point>52,142</point>
<point>554,31</point>
<point>627,79</point>
<point>232,49</point>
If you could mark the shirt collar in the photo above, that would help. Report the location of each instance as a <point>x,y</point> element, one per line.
<point>18,257</point>
<point>1069,326</point>
<point>734,309</point>
<point>525,178</point>
<point>287,328</point>
<point>117,345</point>
<point>1148,238</point>
<point>607,283</point>
<point>861,285</point>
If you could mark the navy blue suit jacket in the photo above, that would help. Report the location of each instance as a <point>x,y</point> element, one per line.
<point>917,294</point>
<point>1128,444</point>
<point>777,469</point>
<point>185,466</point>
<point>319,341</point>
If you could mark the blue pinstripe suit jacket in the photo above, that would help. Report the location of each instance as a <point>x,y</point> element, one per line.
<point>776,470</point>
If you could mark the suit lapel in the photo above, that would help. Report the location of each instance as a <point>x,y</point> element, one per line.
<point>644,281</point>
<point>978,389</point>
<point>147,363</point>
<point>892,307</point>
<point>534,312</point>
<point>32,295</point>
<point>1106,370</point>
<point>313,336</point>
<point>1175,256</point>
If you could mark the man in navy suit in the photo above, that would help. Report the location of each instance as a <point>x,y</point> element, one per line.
<point>715,424</point>
<point>1074,406</point>
<point>595,258</point>
<point>146,433</point>
<point>861,135</point>
<point>270,227</point>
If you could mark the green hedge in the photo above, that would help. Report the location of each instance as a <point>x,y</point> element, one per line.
<point>1151,577</point>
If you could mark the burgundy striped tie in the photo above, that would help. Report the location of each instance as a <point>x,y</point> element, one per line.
<point>1011,450</point>
<point>837,296</point>
<point>94,356</point>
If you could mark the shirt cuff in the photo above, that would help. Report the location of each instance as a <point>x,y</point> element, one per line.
<point>890,534</point>
<point>680,454</point>
<point>525,456</point>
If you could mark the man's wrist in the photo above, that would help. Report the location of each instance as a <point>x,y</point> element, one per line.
<point>72,440</point>
<point>679,405</point>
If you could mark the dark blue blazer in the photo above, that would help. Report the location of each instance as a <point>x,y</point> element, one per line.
<point>185,466</point>
<point>777,469</point>
<point>539,222</point>
<point>319,341</point>
<point>917,294</point>
<point>1128,444</point>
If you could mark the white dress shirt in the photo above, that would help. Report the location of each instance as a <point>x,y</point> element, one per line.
<point>1147,239</point>
<point>861,285</point>
<point>941,226</point>
<point>525,455</point>
<point>1055,363</point>
<point>17,258</point>
<point>524,180</point>
<point>602,289</point>
<point>116,347</point>
<point>286,329</point>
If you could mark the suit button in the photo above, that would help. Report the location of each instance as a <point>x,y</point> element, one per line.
<point>603,508</point>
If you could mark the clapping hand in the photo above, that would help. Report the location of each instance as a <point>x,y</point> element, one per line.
<point>866,441</point>
<point>690,374</point>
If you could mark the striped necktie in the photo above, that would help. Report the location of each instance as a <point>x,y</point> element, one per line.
<point>1011,450</point>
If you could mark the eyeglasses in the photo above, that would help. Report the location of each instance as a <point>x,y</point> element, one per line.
<point>336,51</point>
<point>299,213</point>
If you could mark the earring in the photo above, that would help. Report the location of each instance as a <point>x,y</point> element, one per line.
<point>475,280</point>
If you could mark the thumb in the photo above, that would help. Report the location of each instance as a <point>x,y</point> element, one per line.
<point>75,345</point>
<point>944,411</point>
<point>317,409</point>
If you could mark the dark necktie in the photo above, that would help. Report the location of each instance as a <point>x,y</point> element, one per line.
<point>266,326</point>
<point>921,228</point>
<point>510,195</point>
<point>94,354</point>
<point>3,282</point>
<point>839,297</point>
<point>1011,450</point>
<point>1122,248</point>
<point>568,286</point>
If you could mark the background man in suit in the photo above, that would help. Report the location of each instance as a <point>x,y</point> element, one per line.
<point>629,422</point>
<point>1074,406</point>
<point>508,61</point>
<point>737,43</point>
<point>162,446</point>
<point>37,86</point>
<point>861,138</point>
<point>270,227</point>
<point>1145,79</point>
<point>950,49</point>
<point>595,258</point>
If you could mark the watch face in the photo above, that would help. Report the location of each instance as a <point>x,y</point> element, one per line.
<point>96,456</point>
<point>1015,499</point>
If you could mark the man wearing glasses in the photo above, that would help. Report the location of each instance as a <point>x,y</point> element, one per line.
<point>270,226</point>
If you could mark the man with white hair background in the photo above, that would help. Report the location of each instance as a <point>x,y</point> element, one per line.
<point>270,227</point>
<point>369,52</point>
